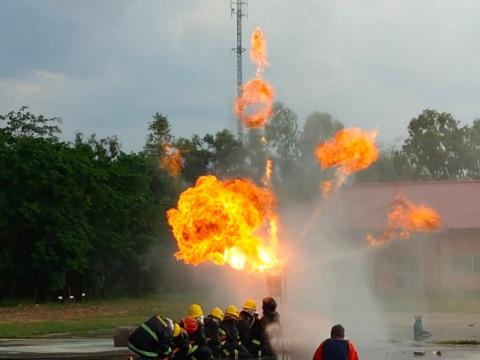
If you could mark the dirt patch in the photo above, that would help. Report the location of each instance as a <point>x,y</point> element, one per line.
<point>41,312</point>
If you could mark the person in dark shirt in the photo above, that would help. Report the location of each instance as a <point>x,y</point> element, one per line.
<point>213,331</point>
<point>180,345</point>
<point>337,347</point>
<point>232,348</point>
<point>246,320</point>
<point>267,331</point>
<point>153,338</point>
<point>198,340</point>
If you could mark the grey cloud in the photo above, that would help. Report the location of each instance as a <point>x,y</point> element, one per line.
<point>370,63</point>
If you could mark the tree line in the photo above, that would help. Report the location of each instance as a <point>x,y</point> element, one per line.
<point>83,216</point>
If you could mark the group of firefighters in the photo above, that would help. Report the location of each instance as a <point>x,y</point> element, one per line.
<point>229,334</point>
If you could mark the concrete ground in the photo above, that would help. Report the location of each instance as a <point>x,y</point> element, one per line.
<point>61,349</point>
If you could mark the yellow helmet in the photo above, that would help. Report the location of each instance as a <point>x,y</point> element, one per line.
<point>250,304</point>
<point>176,330</point>
<point>195,311</point>
<point>232,310</point>
<point>217,312</point>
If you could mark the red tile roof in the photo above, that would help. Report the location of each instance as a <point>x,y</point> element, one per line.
<point>366,206</point>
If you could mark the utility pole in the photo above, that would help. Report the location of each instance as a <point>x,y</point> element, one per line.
<point>240,9</point>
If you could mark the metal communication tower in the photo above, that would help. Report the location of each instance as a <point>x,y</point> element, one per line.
<point>240,9</point>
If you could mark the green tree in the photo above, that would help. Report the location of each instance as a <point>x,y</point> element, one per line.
<point>196,158</point>
<point>226,152</point>
<point>75,217</point>
<point>436,148</point>
<point>159,135</point>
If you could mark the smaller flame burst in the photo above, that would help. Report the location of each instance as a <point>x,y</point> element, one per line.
<point>350,150</point>
<point>404,218</point>
<point>267,178</point>
<point>226,222</point>
<point>172,160</point>
<point>254,106</point>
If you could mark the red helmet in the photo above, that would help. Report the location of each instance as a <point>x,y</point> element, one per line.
<point>190,324</point>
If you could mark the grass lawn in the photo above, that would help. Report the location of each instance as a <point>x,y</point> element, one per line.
<point>91,318</point>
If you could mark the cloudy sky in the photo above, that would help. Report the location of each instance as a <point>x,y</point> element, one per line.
<point>106,66</point>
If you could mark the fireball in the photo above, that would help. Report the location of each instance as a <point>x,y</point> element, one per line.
<point>254,106</point>
<point>258,49</point>
<point>351,150</point>
<point>226,222</point>
<point>404,218</point>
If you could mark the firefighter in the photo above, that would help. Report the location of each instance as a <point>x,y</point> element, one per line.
<point>232,348</point>
<point>196,312</point>
<point>196,334</point>
<point>180,344</point>
<point>266,332</point>
<point>337,347</point>
<point>153,338</point>
<point>247,318</point>
<point>213,332</point>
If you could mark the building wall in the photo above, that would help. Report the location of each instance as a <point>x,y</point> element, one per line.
<point>460,259</point>
<point>436,263</point>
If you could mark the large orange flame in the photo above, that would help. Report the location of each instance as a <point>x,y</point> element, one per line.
<point>254,106</point>
<point>258,49</point>
<point>226,222</point>
<point>172,160</point>
<point>351,150</point>
<point>404,218</point>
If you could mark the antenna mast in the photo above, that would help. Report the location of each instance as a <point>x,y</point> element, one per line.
<point>240,9</point>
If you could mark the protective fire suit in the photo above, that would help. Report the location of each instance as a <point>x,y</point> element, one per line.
<point>212,331</point>
<point>152,339</point>
<point>264,333</point>
<point>246,321</point>
<point>198,340</point>
<point>232,348</point>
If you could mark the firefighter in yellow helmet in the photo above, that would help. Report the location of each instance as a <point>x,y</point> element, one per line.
<point>196,312</point>
<point>180,344</point>
<point>213,331</point>
<point>232,347</point>
<point>246,320</point>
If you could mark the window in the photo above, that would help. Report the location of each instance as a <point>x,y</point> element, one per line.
<point>476,264</point>
<point>407,272</point>
<point>466,264</point>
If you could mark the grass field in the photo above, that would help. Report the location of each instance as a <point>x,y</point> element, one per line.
<point>99,318</point>
<point>95,318</point>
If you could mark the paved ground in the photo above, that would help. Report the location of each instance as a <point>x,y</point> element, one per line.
<point>100,349</point>
<point>61,349</point>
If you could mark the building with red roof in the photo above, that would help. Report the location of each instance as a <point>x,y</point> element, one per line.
<point>441,261</point>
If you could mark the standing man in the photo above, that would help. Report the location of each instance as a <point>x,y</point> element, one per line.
<point>337,347</point>
<point>266,332</point>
